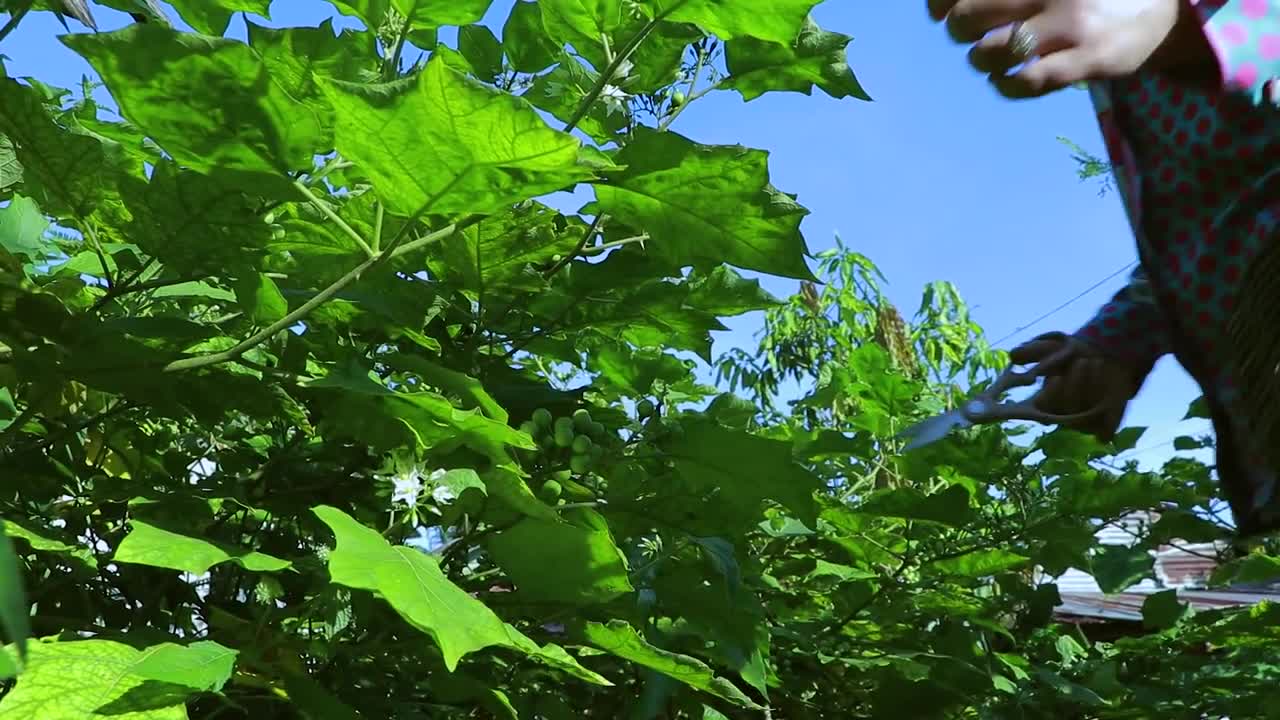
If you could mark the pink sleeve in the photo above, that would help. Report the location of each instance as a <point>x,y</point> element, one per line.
<point>1130,326</point>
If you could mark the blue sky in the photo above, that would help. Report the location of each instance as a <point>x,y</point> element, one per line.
<point>938,178</point>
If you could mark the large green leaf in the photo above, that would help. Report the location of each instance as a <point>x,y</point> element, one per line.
<point>445,144</point>
<point>705,204</point>
<point>482,50</point>
<point>295,57</point>
<point>524,40</point>
<point>633,371</point>
<point>151,545</point>
<point>494,256</point>
<point>212,16</point>
<point>60,168</point>
<point>618,638</point>
<point>745,469</point>
<point>433,14</point>
<point>725,293</point>
<point>582,23</point>
<point>115,679</point>
<point>949,506</point>
<point>1119,567</point>
<point>362,407</point>
<point>10,168</point>
<point>414,585</point>
<point>817,58</point>
<point>778,21</point>
<point>14,610</point>
<point>40,543</point>
<point>571,562</point>
<point>234,116</point>
<point>22,228</point>
<point>980,563</point>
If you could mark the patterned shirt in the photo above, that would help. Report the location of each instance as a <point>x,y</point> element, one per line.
<point>1198,171</point>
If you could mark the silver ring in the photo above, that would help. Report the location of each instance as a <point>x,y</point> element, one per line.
<point>1022,42</point>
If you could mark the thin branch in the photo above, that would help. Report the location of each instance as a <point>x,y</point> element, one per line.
<point>582,244</point>
<point>392,251</point>
<point>610,71</point>
<point>337,219</point>
<point>606,247</point>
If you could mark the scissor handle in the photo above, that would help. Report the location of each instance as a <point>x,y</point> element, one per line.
<point>988,408</point>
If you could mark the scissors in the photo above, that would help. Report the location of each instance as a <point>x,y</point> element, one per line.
<point>985,407</point>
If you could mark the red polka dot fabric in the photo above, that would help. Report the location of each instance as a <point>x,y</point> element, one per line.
<point>1199,171</point>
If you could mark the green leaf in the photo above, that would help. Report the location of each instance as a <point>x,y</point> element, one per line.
<point>370,12</point>
<point>105,673</point>
<point>582,24</point>
<point>704,205</point>
<point>295,57</point>
<point>1127,439</point>
<point>10,168</point>
<point>778,21</point>
<point>413,584</point>
<point>980,563</point>
<point>817,58</point>
<point>634,371</point>
<point>725,293</point>
<point>1117,567</point>
<point>572,562</point>
<point>449,145</point>
<point>205,666</point>
<point>1162,610</point>
<point>429,14</point>
<point>14,610</point>
<point>524,41</point>
<point>62,169</point>
<point>949,506</point>
<point>361,407</point>
<point>233,116</point>
<point>482,50</point>
<point>8,410</point>
<point>39,542</point>
<point>1199,409</point>
<point>261,299</point>
<point>1256,568</point>
<point>620,639</point>
<point>154,546</point>
<point>22,228</point>
<point>563,90</point>
<point>211,17</point>
<point>746,470</point>
<point>494,255</point>
<point>451,382</point>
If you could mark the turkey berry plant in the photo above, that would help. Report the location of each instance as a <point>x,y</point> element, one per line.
<point>318,401</point>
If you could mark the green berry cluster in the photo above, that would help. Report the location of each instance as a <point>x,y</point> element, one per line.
<point>569,446</point>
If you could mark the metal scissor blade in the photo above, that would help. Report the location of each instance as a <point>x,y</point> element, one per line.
<point>934,429</point>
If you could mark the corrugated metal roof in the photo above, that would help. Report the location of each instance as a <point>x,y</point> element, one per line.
<point>1128,605</point>
<point>1185,568</point>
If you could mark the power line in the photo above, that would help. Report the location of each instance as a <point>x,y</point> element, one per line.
<point>1068,303</point>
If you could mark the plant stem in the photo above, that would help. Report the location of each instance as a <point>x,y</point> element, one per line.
<point>610,70</point>
<point>606,247</point>
<point>582,244</point>
<point>392,251</point>
<point>337,219</point>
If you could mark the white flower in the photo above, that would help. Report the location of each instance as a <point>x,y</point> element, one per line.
<point>615,99</point>
<point>443,495</point>
<point>407,488</point>
<point>624,70</point>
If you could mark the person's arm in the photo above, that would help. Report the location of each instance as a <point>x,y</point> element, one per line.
<point>1130,327</point>
<point>1230,45</point>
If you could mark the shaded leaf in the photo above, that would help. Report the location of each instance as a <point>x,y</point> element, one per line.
<point>817,58</point>
<point>705,204</point>
<point>573,561</point>
<point>157,547</point>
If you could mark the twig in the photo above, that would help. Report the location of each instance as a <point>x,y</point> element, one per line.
<point>582,244</point>
<point>337,219</point>
<point>393,250</point>
<point>606,247</point>
<point>612,69</point>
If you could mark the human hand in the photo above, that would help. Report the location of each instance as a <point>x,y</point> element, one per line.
<point>1073,41</point>
<point>1078,379</point>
